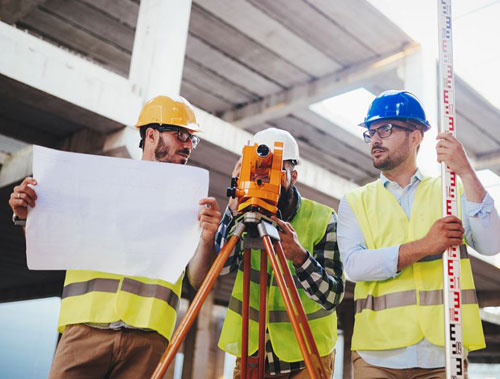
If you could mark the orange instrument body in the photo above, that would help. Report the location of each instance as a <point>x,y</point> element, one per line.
<point>261,176</point>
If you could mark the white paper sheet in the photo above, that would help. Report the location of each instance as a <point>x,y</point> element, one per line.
<point>122,216</point>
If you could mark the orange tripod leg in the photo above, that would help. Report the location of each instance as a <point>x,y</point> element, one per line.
<point>195,306</point>
<point>262,312</point>
<point>289,307</point>
<point>244,313</point>
<point>300,310</point>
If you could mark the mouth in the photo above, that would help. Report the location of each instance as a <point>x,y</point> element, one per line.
<point>377,151</point>
<point>183,154</point>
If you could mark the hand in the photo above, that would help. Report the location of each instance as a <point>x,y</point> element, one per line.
<point>209,218</point>
<point>23,196</point>
<point>233,203</point>
<point>450,151</point>
<point>290,243</point>
<point>444,233</point>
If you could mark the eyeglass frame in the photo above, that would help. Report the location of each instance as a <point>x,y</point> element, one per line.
<point>367,136</point>
<point>195,140</point>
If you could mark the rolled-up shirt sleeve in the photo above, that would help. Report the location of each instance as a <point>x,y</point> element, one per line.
<point>361,263</point>
<point>481,225</point>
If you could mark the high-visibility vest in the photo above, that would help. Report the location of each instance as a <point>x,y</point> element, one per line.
<point>97,297</point>
<point>401,311</point>
<point>310,224</point>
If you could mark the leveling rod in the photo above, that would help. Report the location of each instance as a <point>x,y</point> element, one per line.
<point>451,257</point>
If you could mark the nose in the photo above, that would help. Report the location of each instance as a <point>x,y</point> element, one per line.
<point>188,144</point>
<point>375,138</point>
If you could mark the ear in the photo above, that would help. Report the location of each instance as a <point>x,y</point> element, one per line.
<point>150,137</point>
<point>295,176</point>
<point>417,137</point>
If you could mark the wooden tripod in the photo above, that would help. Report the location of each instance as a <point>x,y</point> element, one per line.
<point>260,234</point>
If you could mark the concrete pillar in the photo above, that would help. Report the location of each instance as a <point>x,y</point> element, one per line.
<point>159,47</point>
<point>419,74</point>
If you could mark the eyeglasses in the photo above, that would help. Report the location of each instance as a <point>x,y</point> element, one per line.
<point>383,131</point>
<point>182,134</point>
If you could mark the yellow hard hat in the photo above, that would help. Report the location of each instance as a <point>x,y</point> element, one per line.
<point>166,110</point>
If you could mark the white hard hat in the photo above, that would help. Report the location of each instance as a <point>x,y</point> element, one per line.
<point>271,135</point>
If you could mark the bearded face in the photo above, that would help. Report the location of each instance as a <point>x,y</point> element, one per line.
<point>387,158</point>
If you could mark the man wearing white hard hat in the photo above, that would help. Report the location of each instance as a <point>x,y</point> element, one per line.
<point>308,237</point>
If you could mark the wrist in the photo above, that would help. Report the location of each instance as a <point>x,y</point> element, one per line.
<point>466,173</point>
<point>17,220</point>
<point>300,259</point>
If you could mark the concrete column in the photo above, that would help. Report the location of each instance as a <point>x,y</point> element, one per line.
<point>419,74</point>
<point>159,47</point>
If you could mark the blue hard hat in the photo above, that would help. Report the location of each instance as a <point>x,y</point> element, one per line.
<point>396,105</point>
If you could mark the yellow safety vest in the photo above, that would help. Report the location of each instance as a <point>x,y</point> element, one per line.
<point>310,224</point>
<point>97,297</point>
<point>401,311</point>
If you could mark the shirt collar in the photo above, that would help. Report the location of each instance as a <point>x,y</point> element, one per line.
<point>416,177</point>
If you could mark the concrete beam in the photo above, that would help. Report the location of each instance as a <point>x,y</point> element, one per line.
<point>41,65</point>
<point>12,11</point>
<point>60,73</point>
<point>487,161</point>
<point>287,101</point>
<point>16,166</point>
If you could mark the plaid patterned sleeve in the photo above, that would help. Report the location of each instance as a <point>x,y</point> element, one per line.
<point>224,232</point>
<point>322,274</point>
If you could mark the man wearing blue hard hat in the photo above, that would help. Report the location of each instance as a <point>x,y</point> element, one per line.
<point>391,236</point>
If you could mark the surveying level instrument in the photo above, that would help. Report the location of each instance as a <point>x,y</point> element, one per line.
<point>258,190</point>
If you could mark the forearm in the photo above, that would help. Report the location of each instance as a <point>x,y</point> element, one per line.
<point>323,287</point>
<point>479,220</point>
<point>322,275</point>
<point>473,189</point>
<point>201,263</point>
<point>412,252</point>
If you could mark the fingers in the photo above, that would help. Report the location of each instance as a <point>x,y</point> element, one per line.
<point>286,227</point>
<point>446,137</point>
<point>451,219</point>
<point>23,195</point>
<point>455,242</point>
<point>21,199</point>
<point>455,234</point>
<point>209,202</point>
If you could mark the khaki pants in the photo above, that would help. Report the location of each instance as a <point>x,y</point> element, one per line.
<point>328,363</point>
<point>363,370</point>
<point>86,352</point>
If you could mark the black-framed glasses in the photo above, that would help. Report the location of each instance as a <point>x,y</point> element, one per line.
<point>383,131</point>
<point>182,134</point>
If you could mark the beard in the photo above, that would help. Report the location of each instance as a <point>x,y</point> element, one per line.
<point>163,154</point>
<point>286,197</point>
<point>391,161</point>
<point>161,151</point>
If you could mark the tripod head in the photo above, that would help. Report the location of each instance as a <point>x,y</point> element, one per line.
<point>259,185</point>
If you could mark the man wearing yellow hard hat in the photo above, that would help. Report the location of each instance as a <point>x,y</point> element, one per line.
<point>117,326</point>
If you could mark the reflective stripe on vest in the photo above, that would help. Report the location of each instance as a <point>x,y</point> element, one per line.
<point>96,297</point>
<point>310,223</point>
<point>401,311</point>
<point>274,316</point>
<point>400,299</point>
